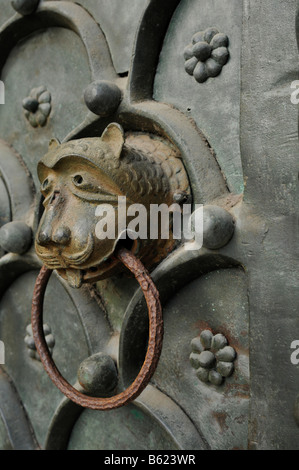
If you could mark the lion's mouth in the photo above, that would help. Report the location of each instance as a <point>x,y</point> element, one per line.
<point>71,267</point>
<point>76,277</point>
<point>56,259</point>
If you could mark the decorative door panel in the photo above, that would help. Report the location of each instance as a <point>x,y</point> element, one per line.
<point>185,102</point>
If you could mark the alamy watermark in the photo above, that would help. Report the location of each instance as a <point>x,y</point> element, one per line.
<point>159,222</point>
<point>2,93</point>
<point>295,93</point>
<point>2,353</point>
<point>295,354</point>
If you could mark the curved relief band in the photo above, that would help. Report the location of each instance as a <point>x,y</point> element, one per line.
<point>66,15</point>
<point>154,343</point>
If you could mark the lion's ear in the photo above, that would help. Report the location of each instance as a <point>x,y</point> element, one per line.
<point>53,144</point>
<point>114,136</point>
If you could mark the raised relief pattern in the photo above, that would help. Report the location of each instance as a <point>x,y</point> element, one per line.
<point>29,341</point>
<point>206,55</point>
<point>212,357</point>
<point>37,106</point>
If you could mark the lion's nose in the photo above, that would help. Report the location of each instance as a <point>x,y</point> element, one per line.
<point>43,238</point>
<point>44,235</point>
<point>62,236</point>
<point>59,236</point>
<point>50,231</point>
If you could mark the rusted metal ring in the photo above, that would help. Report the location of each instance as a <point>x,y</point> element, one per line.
<point>148,368</point>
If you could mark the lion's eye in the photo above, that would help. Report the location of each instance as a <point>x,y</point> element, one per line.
<point>87,187</point>
<point>84,183</point>
<point>45,185</point>
<point>78,180</point>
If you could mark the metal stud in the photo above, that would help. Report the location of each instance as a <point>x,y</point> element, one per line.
<point>98,374</point>
<point>15,237</point>
<point>25,7</point>
<point>102,97</point>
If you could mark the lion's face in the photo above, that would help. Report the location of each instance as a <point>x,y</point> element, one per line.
<point>80,175</point>
<point>66,238</point>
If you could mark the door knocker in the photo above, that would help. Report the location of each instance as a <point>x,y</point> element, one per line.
<point>76,178</point>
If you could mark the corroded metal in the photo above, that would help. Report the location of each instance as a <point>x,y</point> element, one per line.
<point>154,342</point>
<point>78,176</point>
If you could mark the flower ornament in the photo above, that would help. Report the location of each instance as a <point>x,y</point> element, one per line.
<point>29,341</point>
<point>212,357</point>
<point>37,106</point>
<point>206,55</point>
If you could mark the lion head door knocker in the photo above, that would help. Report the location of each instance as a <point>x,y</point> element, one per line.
<point>80,177</point>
